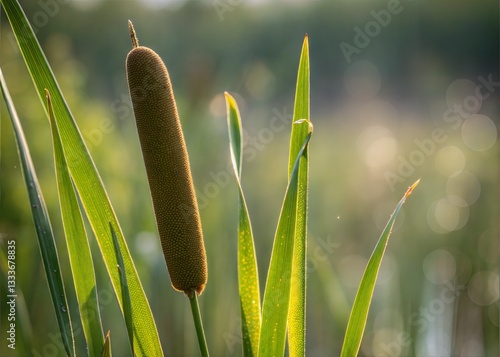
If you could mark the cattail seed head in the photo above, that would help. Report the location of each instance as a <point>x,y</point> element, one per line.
<point>167,167</point>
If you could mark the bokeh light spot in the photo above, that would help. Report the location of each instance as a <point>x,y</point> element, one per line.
<point>377,145</point>
<point>449,160</point>
<point>464,185</point>
<point>387,342</point>
<point>447,214</point>
<point>439,266</point>
<point>483,288</point>
<point>147,243</point>
<point>218,105</point>
<point>463,93</point>
<point>479,132</point>
<point>259,80</point>
<point>380,152</point>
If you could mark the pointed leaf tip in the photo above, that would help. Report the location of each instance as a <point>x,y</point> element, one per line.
<point>411,188</point>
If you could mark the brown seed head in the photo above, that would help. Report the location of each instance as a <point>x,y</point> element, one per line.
<point>167,168</point>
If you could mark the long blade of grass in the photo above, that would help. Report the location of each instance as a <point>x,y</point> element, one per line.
<point>127,303</point>
<point>88,183</point>
<point>80,257</point>
<point>248,277</point>
<point>43,228</point>
<point>277,293</point>
<point>361,306</point>
<point>297,313</point>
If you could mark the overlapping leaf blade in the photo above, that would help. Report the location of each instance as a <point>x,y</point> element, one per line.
<point>248,279</point>
<point>297,313</point>
<point>127,303</point>
<point>277,293</point>
<point>43,228</point>
<point>80,257</point>
<point>106,349</point>
<point>361,306</point>
<point>87,181</point>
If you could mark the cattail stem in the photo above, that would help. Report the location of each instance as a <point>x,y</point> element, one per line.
<point>195,309</point>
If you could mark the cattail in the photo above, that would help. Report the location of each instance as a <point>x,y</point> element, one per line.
<point>167,167</point>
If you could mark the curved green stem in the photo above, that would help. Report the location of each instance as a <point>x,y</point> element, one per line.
<point>195,309</point>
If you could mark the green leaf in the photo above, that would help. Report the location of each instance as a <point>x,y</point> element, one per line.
<point>127,303</point>
<point>297,313</point>
<point>88,183</point>
<point>43,229</point>
<point>248,277</point>
<point>80,257</point>
<point>277,293</point>
<point>361,306</point>
<point>302,106</point>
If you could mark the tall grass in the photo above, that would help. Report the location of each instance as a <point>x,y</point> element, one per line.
<point>265,324</point>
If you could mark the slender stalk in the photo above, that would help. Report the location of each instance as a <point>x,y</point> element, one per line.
<point>195,309</point>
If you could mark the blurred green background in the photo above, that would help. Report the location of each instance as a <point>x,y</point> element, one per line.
<point>399,91</point>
